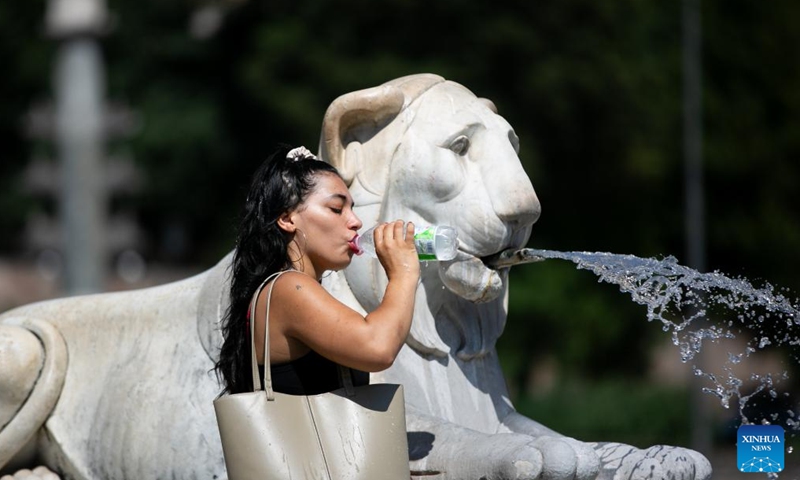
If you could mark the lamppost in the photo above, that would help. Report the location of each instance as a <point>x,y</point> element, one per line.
<point>79,86</point>
<point>695,203</point>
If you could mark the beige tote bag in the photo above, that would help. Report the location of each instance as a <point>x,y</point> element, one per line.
<point>354,433</point>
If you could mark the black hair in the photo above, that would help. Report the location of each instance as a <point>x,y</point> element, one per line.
<point>279,185</point>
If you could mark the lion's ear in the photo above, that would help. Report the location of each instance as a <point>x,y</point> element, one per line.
<point>350,114</point>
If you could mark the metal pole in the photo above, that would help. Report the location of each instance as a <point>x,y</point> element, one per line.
<point>695,207</point>
<point>79,89</point>
<point>693,135</point>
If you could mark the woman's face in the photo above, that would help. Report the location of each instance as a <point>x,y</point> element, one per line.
<point>328,224</point>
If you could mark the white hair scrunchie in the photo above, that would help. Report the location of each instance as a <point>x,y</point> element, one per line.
<point>300,153</point>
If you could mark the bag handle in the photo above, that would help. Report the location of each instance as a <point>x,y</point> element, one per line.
<point>253,359</point>
<point>344,373</point>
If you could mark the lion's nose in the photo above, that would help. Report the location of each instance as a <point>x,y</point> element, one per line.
<point>516,203</point>
<point>513,198</point>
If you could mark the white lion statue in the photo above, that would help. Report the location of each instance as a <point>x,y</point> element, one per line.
<point>121,385</point>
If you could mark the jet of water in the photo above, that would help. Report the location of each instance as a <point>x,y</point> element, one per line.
<point>696,307</point>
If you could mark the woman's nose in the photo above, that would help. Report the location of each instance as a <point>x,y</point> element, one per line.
<point>355,223</point>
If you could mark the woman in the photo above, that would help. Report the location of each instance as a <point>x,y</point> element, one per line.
<point>299,217</point>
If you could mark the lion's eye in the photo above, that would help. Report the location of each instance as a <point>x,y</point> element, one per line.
<point>460,145</point>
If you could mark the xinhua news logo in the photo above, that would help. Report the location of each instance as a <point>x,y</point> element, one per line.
<point>759,448</point>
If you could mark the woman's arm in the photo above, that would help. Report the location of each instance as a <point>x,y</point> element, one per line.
<point>305,316</point>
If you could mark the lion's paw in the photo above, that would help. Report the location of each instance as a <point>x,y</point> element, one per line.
<point>624,462</point>
<point>488,457</point>
<point>515,459</point>
<point>565,458</point>
<point>522,463</point>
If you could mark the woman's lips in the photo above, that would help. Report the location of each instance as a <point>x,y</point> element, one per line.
<point>353,244</point>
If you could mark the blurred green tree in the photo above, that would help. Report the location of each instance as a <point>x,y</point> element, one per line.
<point>25,56</point>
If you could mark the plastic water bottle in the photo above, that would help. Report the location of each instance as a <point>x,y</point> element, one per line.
<point>435,242</point>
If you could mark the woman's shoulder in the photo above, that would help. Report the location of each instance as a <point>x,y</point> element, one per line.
<point>292,283</point>
<point>297,277</point>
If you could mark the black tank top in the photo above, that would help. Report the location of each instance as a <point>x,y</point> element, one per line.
<point>310,374</point>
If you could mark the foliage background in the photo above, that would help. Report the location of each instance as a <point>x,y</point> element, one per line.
<point>593,89</point>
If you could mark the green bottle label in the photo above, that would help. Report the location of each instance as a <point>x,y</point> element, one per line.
<point>424,242</point>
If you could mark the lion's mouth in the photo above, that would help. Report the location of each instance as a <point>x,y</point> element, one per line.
<point>475,277</point>
<point>495,260</point>
<point>509,257</point>
<point>480,276</point>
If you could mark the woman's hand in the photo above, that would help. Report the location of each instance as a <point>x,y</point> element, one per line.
<point>394,246</point>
